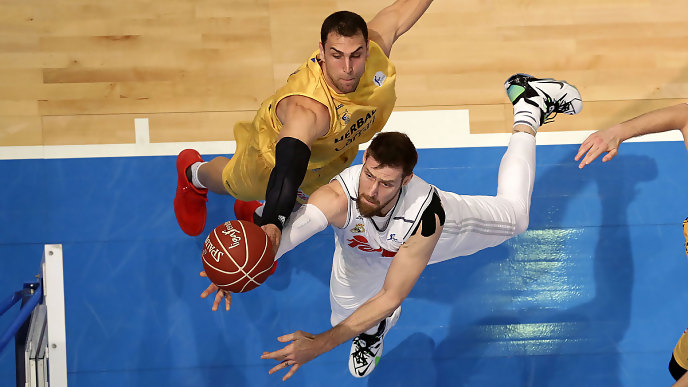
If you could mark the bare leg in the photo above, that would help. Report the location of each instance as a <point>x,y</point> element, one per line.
<point>523,128</point>
<point>210,175</point>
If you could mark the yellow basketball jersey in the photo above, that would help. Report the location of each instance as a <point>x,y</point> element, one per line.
<point>354,118</point>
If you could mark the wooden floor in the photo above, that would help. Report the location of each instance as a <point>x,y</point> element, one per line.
<point>78,72</point>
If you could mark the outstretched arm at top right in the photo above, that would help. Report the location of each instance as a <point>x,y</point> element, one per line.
<point>609,140</point>
<point>393,21</point>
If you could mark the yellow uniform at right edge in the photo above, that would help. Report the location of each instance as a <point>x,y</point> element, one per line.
<point>681,349</point>
<point>354,119</point>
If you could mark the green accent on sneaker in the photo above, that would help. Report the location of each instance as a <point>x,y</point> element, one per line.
<point>514,91</point>
<point>377,360</point>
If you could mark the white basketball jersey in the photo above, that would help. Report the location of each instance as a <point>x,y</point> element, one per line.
<point>472,222</point>
<point>361,235</point>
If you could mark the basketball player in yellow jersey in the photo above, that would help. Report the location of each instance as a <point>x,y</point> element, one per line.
<point>609,140</point>
<point>310,129</point>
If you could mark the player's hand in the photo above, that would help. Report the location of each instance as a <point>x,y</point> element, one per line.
<point>601,141</point>
<point>303,347</point>
<point>226,294</point>
<point>274,234</point>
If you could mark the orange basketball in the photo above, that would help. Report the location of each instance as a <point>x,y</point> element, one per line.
<point>237,256</point>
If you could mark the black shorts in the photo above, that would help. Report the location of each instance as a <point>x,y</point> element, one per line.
<point>676,370</point>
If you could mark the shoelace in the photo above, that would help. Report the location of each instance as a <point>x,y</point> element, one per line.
<point>361,351</point>
<point>559,107</point>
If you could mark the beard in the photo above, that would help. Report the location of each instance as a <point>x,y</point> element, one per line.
<point>367,210</point>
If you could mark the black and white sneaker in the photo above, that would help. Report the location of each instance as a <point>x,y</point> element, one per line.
<point>547,94</point>
<point>366,350</point>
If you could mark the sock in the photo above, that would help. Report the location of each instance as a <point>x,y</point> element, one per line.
<point>194,174</point>
<point>373,330</point>
<point>527,114</point>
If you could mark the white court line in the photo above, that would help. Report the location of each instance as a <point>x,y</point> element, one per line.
<point>141,131</point>
<point>428,129</point>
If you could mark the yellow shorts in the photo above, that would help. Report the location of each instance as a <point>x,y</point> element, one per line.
<point>247,173</point>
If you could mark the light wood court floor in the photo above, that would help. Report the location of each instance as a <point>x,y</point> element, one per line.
<point>78,72</point>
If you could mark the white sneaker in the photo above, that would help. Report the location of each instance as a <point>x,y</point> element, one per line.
<point>549,95</point>
<point>366,349</point>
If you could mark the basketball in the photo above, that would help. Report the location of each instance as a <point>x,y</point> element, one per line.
<point>237,256</point>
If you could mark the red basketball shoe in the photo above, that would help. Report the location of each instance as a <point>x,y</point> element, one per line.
<point>189,202</point>
<point>245,210</point>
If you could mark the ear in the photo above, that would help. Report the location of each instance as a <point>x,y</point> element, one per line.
<point>406,179</point>
<point>322,51</point>
<point>365,156</point>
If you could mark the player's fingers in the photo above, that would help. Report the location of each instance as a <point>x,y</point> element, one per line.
<point>593,153</point>
<point>584,147</point>
<point>610,155</point>
<point>209,290</point>
<point>218,300</point>
<point>276,368</point>
<point>203,274</point>
<point>280,354</point>
<point>293,369</point>
<point>228,300</point>
<point>285,338</point>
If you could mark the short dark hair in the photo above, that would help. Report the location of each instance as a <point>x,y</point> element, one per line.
<point>343,23</point>
<point>394,149</point>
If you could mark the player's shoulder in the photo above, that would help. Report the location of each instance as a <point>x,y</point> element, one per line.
<point>348,178</point>
<point>297,101</point>
<point>332,200</point>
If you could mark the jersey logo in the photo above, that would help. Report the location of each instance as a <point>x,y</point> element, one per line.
<point>393,238</point>
<point>359,242</point>
<point>346,117</point>
<point>358,228</point>
<point>379,78</point>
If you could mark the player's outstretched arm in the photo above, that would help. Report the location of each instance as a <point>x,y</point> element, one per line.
<point>393,21</point>
<point>609,140</point>
<point>327,205</point>
<point>303,121</point>
<point>408,264</point>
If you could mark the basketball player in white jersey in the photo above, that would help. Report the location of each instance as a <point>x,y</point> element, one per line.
<point>389,224</point>
<point>609,140</point>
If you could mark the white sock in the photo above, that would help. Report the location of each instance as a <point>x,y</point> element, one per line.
<point>527,114</point>
<point>194,174</point>
<point>373,330</point>
<point>259,210</point>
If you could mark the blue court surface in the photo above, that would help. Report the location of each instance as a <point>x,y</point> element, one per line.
<point>593,294</point>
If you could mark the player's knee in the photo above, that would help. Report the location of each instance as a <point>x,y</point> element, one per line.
<point>519,211</point>
<point>522,220</point>
<point>522,225</point>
